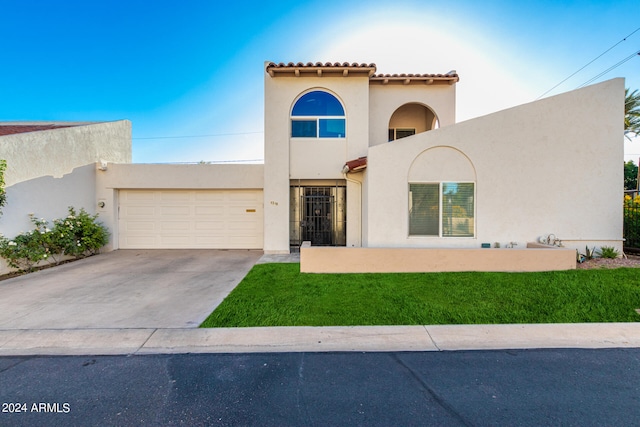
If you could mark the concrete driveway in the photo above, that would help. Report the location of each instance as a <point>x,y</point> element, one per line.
<point>125,289</point>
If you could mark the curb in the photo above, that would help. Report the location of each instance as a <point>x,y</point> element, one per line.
<point>318,339</point>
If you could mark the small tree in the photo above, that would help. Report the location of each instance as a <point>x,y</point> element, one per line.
<point>631,113</point>
<point>630,175</point>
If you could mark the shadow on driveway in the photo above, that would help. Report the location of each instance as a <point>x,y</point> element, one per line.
<point>125,289</point>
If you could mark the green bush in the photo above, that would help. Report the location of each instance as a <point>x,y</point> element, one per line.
<point>3,191</point>
<point>27,249</point>
<point>608,252</point>
<point>77,235</point>
<point>632,221</point>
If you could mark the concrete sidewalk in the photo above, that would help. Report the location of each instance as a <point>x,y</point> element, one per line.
<point>317,339</point>
<point>144,302</point>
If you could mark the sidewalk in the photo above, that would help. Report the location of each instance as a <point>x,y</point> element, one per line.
<point>147,335</point>
<point>317,339</point>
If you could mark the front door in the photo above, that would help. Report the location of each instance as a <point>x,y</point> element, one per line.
<point>317,217</point>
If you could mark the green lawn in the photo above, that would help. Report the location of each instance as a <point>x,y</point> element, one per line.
<point>279,295</point>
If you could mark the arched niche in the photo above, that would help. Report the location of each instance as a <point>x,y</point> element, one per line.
<point>441,164</point>
<point>410,119</point>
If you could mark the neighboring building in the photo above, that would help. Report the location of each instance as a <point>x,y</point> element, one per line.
<point>359,159</point>
<point>52,165</point>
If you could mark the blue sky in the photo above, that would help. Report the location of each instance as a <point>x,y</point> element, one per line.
<point>189,75</point>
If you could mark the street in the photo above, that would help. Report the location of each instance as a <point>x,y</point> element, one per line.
<point>507,387</point>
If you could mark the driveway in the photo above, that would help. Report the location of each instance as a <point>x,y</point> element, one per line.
<point>125,289</point>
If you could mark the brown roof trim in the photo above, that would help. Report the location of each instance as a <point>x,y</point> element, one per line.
<point>15,129</point>
<point>355,165</point>
<point>449,78</point>
<point>319,69</point>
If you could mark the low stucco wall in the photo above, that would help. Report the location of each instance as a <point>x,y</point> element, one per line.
<point>418,260</point>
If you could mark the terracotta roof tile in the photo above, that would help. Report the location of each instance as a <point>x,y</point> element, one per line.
<point>14,129</point>
<point>346,68</point>
<point>450,77</point>
<point>355,165</point>
<point>319,65</point>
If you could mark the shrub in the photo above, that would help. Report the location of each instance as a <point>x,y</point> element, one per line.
<point>77,235</point>
<point>27,249</point>
<point>3,192</point>
<point>632,221</point>
<point>609,252</point>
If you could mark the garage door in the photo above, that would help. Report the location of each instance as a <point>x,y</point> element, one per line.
<point>181,219</point>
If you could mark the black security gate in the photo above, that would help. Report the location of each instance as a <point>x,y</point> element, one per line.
<point>318,215</point>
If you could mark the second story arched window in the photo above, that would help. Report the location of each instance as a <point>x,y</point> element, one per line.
<point>318,114</point>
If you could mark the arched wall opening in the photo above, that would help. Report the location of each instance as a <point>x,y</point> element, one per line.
<point>410,119</point>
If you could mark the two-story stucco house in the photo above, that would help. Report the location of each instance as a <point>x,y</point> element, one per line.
<point>357,159</point>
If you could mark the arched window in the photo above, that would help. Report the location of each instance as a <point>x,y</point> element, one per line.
<point>318,114</point>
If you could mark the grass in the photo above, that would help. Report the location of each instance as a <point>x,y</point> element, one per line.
<point>279,295</point>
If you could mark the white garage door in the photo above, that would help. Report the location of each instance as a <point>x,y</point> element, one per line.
<point>182,219</point>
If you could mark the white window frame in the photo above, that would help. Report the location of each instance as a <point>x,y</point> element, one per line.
<point>440,209</point>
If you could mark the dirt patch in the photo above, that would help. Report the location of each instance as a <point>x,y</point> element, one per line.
<point>631,261</point>
<point>42,267</point>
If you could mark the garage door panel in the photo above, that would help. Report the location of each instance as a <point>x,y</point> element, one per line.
<point>210,196</point>
<point>209,210</point>
<point>243,197</point>
<point>175,196</point>
<point>175,211</point>
<point>141,211</point>
<point>243,225</point>
<point>214,219</point>
<point>138,196</point>
<point>206,241</point>
<point>209,225</point>
<point>132,226</point>
<point>169,226</point>
<point>140,242</point>
<point>177,241</point>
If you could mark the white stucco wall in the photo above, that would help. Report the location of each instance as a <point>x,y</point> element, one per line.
<point>50,170</point>
<point>303,158</point>
<point>551,166</point>
<point>384,100</point>
<point>49,198</point>
<point>167,176</point>
<point>57,152</point>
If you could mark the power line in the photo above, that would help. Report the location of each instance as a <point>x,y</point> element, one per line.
<point>198,136</point>
<point>592,61</point>
<point>609,69</point>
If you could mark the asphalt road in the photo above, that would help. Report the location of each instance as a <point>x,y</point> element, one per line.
<point>522,387</point>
